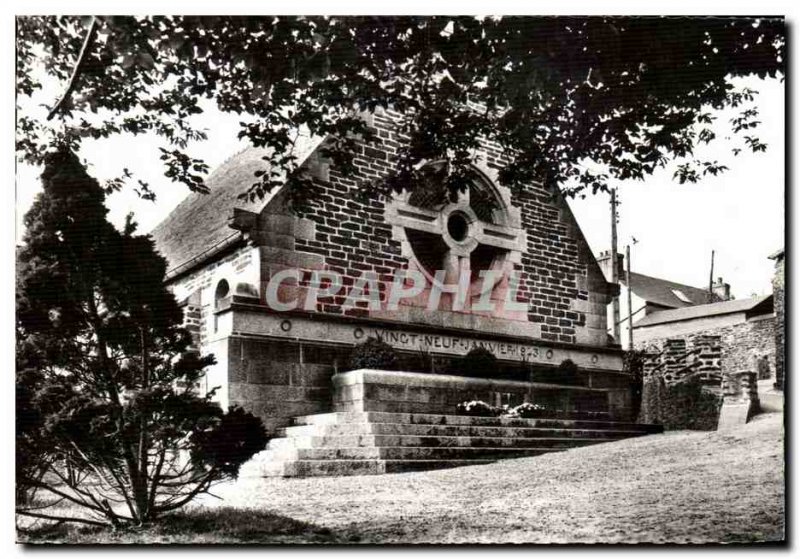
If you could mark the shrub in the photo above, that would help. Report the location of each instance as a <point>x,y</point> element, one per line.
<point>373,353</point>
<point>479,362</point>
<point>634,365</point>
<point>689,406</point>
<point>566,373</point>
<point>477,408</point>
<point>569,373</point>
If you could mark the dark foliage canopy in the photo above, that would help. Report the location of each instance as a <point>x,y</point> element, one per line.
<point>478,362</point>
<point>574,101</point>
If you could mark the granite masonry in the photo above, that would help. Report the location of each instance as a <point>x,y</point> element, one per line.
<point>226,256</point>
<point>746,330</point>
<point>778,290</point>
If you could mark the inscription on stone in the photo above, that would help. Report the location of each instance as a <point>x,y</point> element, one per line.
<point>457,344</point>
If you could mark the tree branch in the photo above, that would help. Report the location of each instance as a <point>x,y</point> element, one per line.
<point>79,502</point>
<point>61,518</point>
<point>87,41</point>
<point>200,488</point>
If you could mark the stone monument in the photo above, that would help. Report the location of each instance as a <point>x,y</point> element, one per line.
<point>280,296</point>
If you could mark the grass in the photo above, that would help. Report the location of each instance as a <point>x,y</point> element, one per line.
<point>679,487</point>
<point>221,525</point>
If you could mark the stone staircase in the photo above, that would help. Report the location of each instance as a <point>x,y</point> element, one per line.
<point>375,442</point>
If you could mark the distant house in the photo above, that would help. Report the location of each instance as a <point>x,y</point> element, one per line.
<point>650,295</point>
<point>746,328</point>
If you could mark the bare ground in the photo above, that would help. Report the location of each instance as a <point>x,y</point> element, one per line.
<point>681,487</point>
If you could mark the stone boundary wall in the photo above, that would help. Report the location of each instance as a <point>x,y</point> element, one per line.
<point>679,360</point>
<point>740,344</point>
<point>778,290</point>
<point>737,389</point>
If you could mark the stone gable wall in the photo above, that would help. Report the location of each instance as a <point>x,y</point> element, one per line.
<point>567,296</point>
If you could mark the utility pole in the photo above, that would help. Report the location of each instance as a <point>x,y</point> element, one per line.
<point>614,270</point>
<point>711,280</point>
<point>630,303</point>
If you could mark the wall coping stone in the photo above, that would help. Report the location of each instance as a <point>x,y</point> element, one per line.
<point>405,378</point>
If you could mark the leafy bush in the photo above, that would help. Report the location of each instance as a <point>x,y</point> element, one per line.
<point>689,406</point>
<point>633,364</point>
<point>479,362</point>
<point>477,408</point>
<point>234,438</point>
<point>567,373</point>
<point>373,353</point>
<point>684,405</point>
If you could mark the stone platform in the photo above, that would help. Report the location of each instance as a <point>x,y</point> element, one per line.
<point>406,392</point>
<point>358,443</point>
<point>392,421</point>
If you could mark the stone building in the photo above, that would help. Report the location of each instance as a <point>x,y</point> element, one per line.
<point>780,312</point>
<point>527,253</point>
<point>652,295</point>
<point>745,329</point>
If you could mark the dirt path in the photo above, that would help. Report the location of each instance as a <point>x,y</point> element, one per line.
<point>677,487</point>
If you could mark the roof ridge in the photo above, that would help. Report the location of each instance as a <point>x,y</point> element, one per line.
<point>698,311</point>
<point>731,301</point>
<point>667,281</point>
<point>231,157</point>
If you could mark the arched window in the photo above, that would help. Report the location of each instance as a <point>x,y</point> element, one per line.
<point>222,291</point>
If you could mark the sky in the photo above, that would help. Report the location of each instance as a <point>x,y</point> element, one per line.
<point>738,214</point>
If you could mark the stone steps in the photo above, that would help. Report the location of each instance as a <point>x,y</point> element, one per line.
<point>313,468</point>
<point>363,429</point>
<point>358,441</point>
<point>339,418</point>
<point>366,443</point>
<point>404,453</point>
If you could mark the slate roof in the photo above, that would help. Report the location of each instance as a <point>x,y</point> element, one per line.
<point>752,306</point>
<point>198,227</point>
<point>660,292</point>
